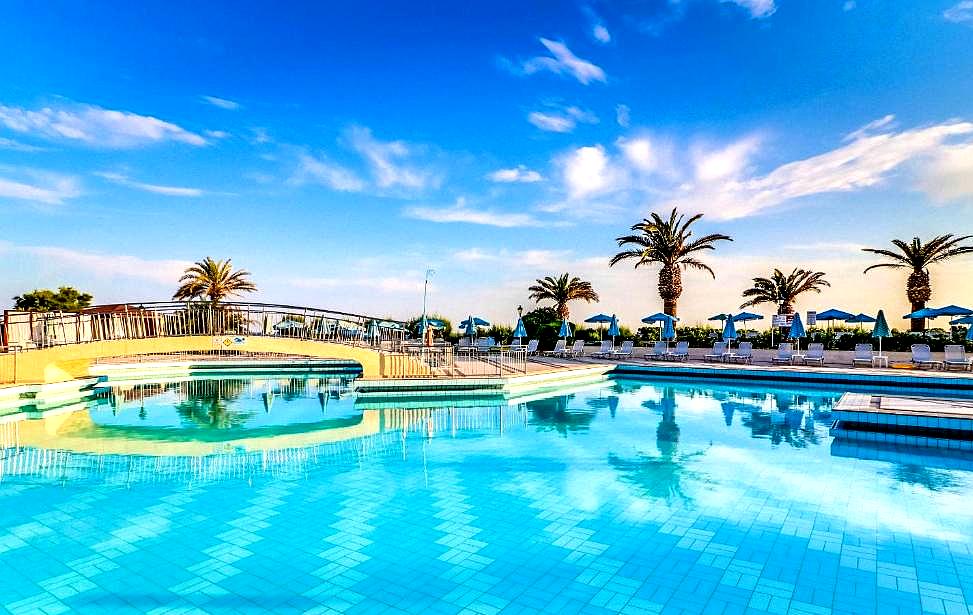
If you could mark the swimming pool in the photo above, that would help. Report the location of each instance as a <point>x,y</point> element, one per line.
<point>232,495</point>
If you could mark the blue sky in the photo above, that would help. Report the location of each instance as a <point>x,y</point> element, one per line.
<point>338,151</point>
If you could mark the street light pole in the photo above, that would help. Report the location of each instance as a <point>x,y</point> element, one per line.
<point>425,293</point>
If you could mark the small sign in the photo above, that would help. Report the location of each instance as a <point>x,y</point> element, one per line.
<point>782,320</point>
<point>812,318</point>
<point>229,341</point>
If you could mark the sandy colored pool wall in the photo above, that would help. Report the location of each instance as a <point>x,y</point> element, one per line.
<point>61,363</point>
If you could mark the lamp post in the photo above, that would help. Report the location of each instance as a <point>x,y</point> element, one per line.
<point>520,311</point>
<point>425,293</point>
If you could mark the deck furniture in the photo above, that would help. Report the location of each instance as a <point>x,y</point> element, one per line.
<point>744,353</point>
<point>814,354</point>
<point>956,357</point>
<point>922,357</point>
<point>604,350</point>
<point>864,355</point>
<point>558,349</point>
<point>625,352</point>
<point>785,354</point>
<point>681,353</point>
<point>719,351</point>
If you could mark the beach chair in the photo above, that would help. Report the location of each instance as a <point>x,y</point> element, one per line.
<point>605,349</point>
<point>681,353</point>
<point>922,356</point>
<point>744,353</point>
<point>516,344</point>
<point>532,347</point>
<point>465,346</point>
<point>719,350</point>
<point>814,354</point>
<point>558,349</point>
<point>625,352</point>
<point>785,353</point>
<point>660,350</point>
<point>863,354</point>
<point>575,351</point>
<point>956,357</point>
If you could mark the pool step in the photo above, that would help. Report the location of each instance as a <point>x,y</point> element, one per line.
<point>911,421</point>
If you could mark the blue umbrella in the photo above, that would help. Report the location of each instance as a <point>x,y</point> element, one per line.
<point>923,313</point>
<point>745,316</point>
<point>797,329</point>
<point>969,334</point>
<point>953,310</point>
<point>565,331</point>
<point>432,323</point>
<point>519,330</point>
<point>720,317</point>
<point>599,319</point>
<point>729,331</point>
<point>881,330</point>
<point>966,320</point>
<point>668,331</point>
<point>471,323</point>
<point>834,314</point>
<point>860,318</point>
<point>658,317</point>
<point>613,329</point>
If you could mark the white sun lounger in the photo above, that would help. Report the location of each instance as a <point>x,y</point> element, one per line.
<point>863,354</point>
<point>575,351</point>
<point>681,353</point>
<point>922,356</point>
<point>625,352</point>
<point>814,354</point>
<point>719,350</point>
<point>956,357</point>
<point>659,351</point>
<point>558,349</point>
<point>606,349</point>
<point>532,347</point>
<point>744,353</point>
<point>785,353</point>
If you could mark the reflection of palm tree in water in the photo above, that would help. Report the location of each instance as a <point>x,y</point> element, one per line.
<point>659,476</point>
<point>206,403</point>
<point>930,478</point>
<point>553,413</point>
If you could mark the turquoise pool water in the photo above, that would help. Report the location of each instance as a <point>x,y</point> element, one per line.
<point>240,495</point>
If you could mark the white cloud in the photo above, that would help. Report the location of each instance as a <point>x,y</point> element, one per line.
<point>729,161</point>
<point>640,153</point>
<point>122,180</point>
<point>108,265</point>
<point>587,171</point>
<point>386,161</point>
<point>601,34</point>
<point>961,12</point>
<point>564,119</point>
<point>758,8</point>
<point>216,134</point>
<point>563,61</point>
<point>551,122</point>
<point>518,174</point>
<point>520,259</point>
<point>260,135</point>
<point>948,175</point>
<point>623,115</point>
<point>322,171</point>
<point>222,103</point>
<point>864,162</point>
<point>17,146</point>
<point>460,212</point>
<point>25,184</point>
<point>95,126</point>
<point>849,5</point>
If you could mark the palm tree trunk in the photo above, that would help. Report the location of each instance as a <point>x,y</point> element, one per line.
<point>917,325</point>
<point>670,288</point>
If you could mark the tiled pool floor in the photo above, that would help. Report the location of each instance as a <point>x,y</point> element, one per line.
<point>629,497</point>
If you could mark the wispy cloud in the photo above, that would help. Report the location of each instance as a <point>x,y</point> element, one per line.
<point>623,115</point>
<point>462,213</point>
<point>961,12</point>
<point>561,62</point>
<point>513,258</point>
<point>389,284</point>
<point>561,119</point>
<point>216,134</point>
<point>222,103</point>
<point>723,180</point>
<point>105,265</point>
<point>33,185</point>
<point>388,161</point>
<point>758,9</point>
<point>95,127</point>
<point>519,174</point>
<point>17,146</point>
<point>320,170</point>
<point>123,180</point>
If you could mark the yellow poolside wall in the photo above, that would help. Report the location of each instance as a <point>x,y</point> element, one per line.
<point>61,363</point>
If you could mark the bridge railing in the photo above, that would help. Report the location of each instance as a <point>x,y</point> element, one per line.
<point>24,331</point>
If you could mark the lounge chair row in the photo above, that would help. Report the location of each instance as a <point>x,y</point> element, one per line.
<point>606,350</point>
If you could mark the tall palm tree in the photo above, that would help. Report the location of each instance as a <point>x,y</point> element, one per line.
<point>917,256</point>
<point>669,243</point>
<point>782,290</point>
<point>215,280</point>
<point>561,290</point>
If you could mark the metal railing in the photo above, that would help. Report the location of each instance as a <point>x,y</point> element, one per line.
<point>24,331</point>
<point>444,360</point>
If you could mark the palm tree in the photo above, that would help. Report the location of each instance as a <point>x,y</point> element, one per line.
<point>214,280</point>
<point>669,243</point>
<point>917,256</point>
<point>561,290</point>
<point>783,290</point>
